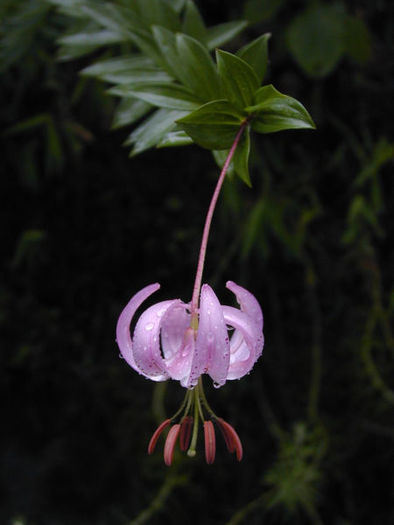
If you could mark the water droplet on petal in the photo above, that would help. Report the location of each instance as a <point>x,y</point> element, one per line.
<point>121,357</point>
<point>149,327</point>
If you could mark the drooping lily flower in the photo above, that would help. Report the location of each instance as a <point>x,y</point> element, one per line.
<point>175,340</point>
<point>168,343</point>
<point>165,346</point>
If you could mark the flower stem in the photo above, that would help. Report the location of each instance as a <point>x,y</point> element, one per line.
<point>204,399</point>
<point>207,226</point>
<point>192,449</point>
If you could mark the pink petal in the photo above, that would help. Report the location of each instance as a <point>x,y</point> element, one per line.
<point>178,342</point>
<point>248,302</point>
<point>123,337</point>
<point>146,342</point>
<point>180,365</point>
<point>246,343</point>
<point>173,327</point>
<point>212,345</point>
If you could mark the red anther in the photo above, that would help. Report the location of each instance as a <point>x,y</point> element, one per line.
<point>231,438</point>
<point>156,435</point>
<point>210,442</point>
<point>185,433</point>
<point>170,444</point>
<point>227,437</point>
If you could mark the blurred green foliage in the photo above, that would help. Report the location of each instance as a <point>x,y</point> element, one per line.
<point>84,227</point>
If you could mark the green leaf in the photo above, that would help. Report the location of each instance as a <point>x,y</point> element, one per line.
<point>256,55</point>
<point>25,125</point>
<point>171,96</point>
<point>158,12</point>
<point>222,33</point>
<point>198,71</point>
<point>143,40</point>
<point>129,111</point>
<point>316,38</point>
<point>193,24</point>
<point>153,129</point>
<point>92,39</point>
<point>166,42</point>
<point>220,157</point>
<point>258,10</point>
<point>117,65</point>
<point>176,4</point>
<point>175,138</point>
<point>253,226</point>
<point>238,79</point>
<point>274,111</point>
<point>358,40</point>
<point>109,16</point>
<point>241,158</point>
<point>138,77</point>
<point>214,125</point>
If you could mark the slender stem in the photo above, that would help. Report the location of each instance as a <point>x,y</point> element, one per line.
<point>204,398</point>
<point>192,449</point>
<point>185,403</point>
<point>207,226</point>
<point>198,401</point>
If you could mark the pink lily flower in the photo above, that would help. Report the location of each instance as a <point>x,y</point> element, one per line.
<point>175,340</point>
<point>165,346</point>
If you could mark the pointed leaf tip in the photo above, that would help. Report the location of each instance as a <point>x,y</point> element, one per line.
<point>273,111</point>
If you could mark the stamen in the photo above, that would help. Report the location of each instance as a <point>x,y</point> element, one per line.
<point>210,442</point>
<point>231,438</point>
<point>170,444</point>
<point>185,433</point>
<point>156,435</point>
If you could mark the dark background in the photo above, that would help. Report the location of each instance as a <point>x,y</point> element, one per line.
<point>83,227</point>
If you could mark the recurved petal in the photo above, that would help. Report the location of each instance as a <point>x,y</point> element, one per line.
<point>123,337</point>
<point>173,327</point>
<point>246,343</point>
<point>247,302</point>
<point>178,344</point>
<point>146,342</point>
<point>212,344</point>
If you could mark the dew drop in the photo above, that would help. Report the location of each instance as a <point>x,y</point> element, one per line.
<point>120,356</point>
<point>149,327</point>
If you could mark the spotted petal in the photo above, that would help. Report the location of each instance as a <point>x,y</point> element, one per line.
<point>146,341</point>
<point>177,342</point>
<point>212,345</point>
